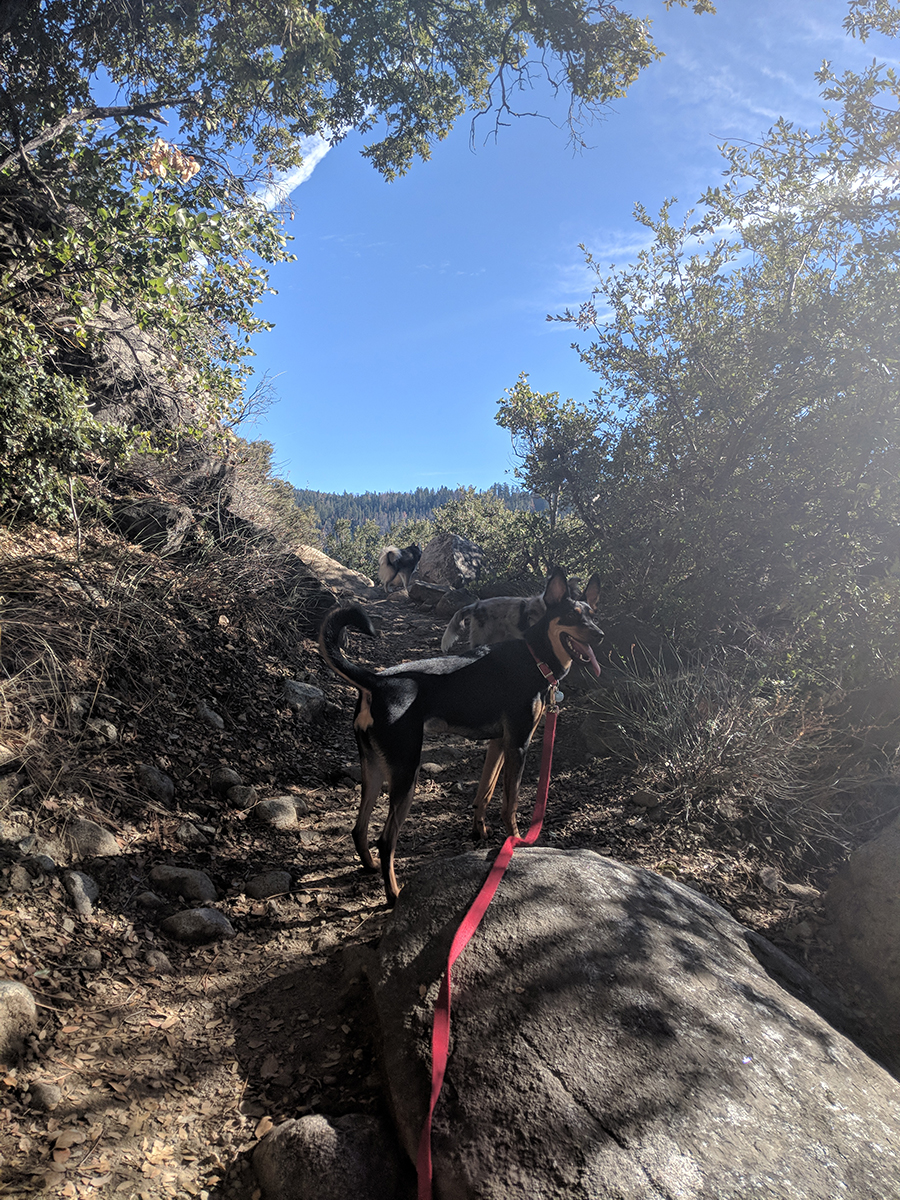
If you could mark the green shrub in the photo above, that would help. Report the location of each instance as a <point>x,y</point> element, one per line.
<point>47,435</point>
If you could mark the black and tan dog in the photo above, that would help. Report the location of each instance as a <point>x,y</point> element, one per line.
<point>496,692</point>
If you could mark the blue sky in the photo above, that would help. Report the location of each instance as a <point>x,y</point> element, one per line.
<point>413,305</point>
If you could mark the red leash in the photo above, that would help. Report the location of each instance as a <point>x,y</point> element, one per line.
<point>440,1037</point>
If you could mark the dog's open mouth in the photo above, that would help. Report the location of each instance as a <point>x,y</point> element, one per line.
<point>583,652</point>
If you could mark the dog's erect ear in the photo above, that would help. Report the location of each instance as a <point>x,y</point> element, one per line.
<point>592,592</point>
<point>557,588</point>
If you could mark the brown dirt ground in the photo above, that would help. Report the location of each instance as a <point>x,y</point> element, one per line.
<point>169,1080</point>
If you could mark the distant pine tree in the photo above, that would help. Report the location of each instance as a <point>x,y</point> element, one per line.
<point>387,509</point>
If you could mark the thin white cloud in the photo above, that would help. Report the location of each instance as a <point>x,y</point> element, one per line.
<point>313,150</point>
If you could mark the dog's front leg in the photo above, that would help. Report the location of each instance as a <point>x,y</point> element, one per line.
<point>513,770</point>
<point>512,780</point>
<point>490,773</point>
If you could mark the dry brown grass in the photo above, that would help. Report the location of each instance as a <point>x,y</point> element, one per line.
<point>79,629</point>
<point>726,743</point>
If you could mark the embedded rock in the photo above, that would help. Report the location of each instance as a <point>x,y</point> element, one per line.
<point>616,1034</point>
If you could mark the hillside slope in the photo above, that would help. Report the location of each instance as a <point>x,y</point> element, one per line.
<point>157,1066</point>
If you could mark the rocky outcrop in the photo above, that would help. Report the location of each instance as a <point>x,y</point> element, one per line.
<point>615,1034</point>
<point>333,575</point>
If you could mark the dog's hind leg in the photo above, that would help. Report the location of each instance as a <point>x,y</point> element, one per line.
<point>372,778</point>
<point>490,773</point>
<point>403,788</point>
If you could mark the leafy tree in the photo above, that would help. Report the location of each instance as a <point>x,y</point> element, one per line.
<point>267,75</point>
<point>742,452</point>
<point>357,547</point>
<point>551,439</point>
<point>100,216</point>
<point>510,540</point>
<point>46,434</point>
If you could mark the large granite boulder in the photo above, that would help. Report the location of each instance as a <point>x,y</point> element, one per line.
<point>450,561</point>
<point>614,1034</point>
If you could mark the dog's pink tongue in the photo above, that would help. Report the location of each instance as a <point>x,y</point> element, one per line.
<point>589,658</point>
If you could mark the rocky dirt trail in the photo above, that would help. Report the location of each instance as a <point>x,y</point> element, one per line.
<point>156,1067</point>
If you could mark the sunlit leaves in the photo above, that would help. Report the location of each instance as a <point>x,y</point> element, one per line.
<point>745,457</point>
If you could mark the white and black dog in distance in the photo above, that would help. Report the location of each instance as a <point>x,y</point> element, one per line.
<point>395,566</point>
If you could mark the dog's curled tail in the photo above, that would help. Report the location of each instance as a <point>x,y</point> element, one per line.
<point>453,632</point>
<point>339,619</point>
<point>387,564</point>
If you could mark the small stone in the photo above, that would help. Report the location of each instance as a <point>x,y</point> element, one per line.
<point>82,891</point>
<point>159,962</point>
<point>340,1157</point>
<point>280,812</point>
<point>223,778</point>
<point>45,1095</point>
<point>87,839</point>
<point>241,796</point>
<point>12,832</point>
<point>104,730</point>
<point>189,835</point>
<point>155,783</point>
<point>211,718</point>
<point>92,960</point>
<point>802,892</point>
<point>182,881</point>
<point>19,879</point>
<point>198,926</point>
<point>304,699</point>
<point>44,862</point>
<point>269,883</point>
<point>431,768</point>
<point>150,901</point>
<point>18,1019</point>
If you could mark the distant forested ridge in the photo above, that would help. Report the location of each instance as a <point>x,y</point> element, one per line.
<point>392,508</point>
